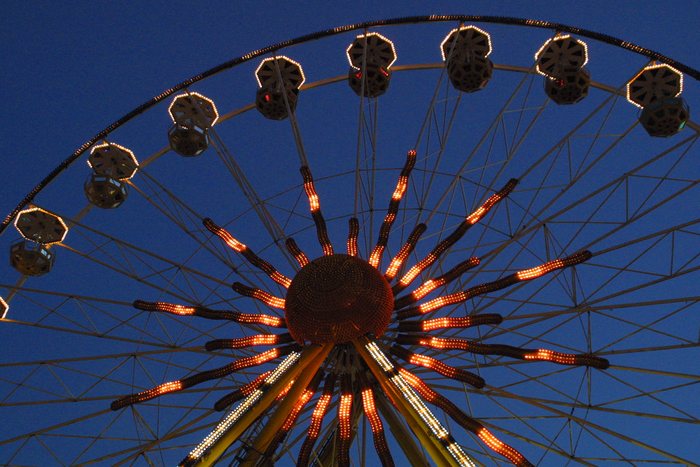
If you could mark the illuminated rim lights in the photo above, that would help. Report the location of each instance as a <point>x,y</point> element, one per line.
<point>283,58</point>
<point>54,218</point>
<point>556,39</point>
<point>198,96</point>
<point>456,31</point>
<point>644,70</point>
<point>369,34</point>
<point>128,152</point>
<point>4,308</point>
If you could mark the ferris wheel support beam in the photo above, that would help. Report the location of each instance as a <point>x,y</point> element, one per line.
<point>275,422</point>
<point>208,452</point>
<point>402,436</point>
<point>438,451</point>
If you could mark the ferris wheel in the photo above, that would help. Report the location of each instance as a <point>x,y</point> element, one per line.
<point>448,240</point>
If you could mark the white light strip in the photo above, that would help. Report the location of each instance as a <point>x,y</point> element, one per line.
<point>423,411</point>
<point>245,405</point>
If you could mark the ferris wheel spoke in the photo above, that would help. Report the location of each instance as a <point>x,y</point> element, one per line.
<point>181,265</point>
<point>544,336</point>
<point>489,133</point>
<point>150,447</point>
<point>109,325</point>
<point>69,394</point>
<point>589,425</point>
<point>489,256</point>
<point>536,217</point>
<point>652,328</point>
<point>673,230</point>
<point>652,396</point>
<point>590,178</point>
<point>103,433</point>
<point>605,407</point>
<point>179,213</point>
<point>157,342</point>
<point>127,257</point>
<point>430,114</point>
<point>54,427</point>
<point>540,381</point>
<point>270,224</point>
<point>650,210</point>
<point>661,180</point>
<point>609,406</point>
<point>619,182</point>
<point>359,148</point>
<point>184,425</point>
<point>587,307</point>
<point>511,154</point>
<point>365,165</point>
<point>532,434</point>
<point>673,374</point>
<point>435,128</point>
<point>652,282</point>
<point>599,134</point>
<point>542,445</point>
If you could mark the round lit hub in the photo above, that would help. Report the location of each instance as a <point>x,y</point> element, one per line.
<point>336,299</point>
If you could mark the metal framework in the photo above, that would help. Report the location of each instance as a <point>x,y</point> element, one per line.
<point>528,287</point>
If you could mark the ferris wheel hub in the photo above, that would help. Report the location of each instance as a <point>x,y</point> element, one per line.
<point>336,299</point>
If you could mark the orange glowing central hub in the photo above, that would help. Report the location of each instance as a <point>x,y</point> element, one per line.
<point>336,299</point>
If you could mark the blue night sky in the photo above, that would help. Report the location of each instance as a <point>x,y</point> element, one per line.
<point>71,69</point>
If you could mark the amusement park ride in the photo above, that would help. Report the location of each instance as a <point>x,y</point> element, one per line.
<point>510,292</point>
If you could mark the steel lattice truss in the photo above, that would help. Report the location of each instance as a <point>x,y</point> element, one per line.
<point>532,296</point>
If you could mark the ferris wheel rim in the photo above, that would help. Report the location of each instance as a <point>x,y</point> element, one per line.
<point>505,20</point>
<point>341,31</point>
